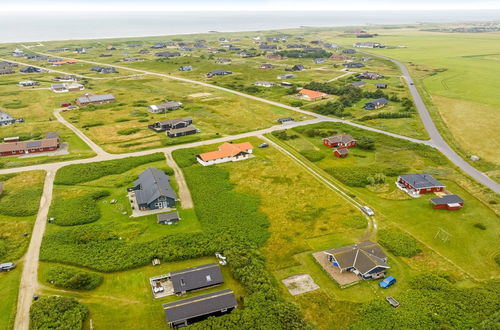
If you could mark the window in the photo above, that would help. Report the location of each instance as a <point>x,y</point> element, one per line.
<point>209,278</point>
<point>182,282</point>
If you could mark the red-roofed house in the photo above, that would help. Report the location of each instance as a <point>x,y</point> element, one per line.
<point>310,95</point>
<point>340,141</point>
<point>228,152</point>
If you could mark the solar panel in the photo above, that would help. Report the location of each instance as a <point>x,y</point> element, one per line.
<point>33,144</point>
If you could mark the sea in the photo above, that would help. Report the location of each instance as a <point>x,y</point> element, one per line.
<point>30,26</point>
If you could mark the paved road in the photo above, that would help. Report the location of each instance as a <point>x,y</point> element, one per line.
<point>436,139</point>
<point>29,278</point>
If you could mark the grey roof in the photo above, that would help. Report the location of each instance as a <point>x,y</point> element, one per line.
<point>196,278</point>
<point>154,184</point>
<point>167,216</point>
<point>33,144</point>
<point>189,128</point>
<point>96,98</point>
<point>358,83</point>
<point>344,138</point>
<point>201,305</point>
<point>448,199</point>
<point>166,106</point>
<point>176,120</point>
<point>342,151</point>
<point>5,116</point>
<point>379,101</point>
<point>421,180</point>
<point>219,71</point>
<point>51,135</point>
<point>363,256</point>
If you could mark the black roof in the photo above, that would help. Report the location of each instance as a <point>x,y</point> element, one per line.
<point>421,180</point>
<point>342,151</point>
<point>198,306</point>
<point>196,278</point>
<point>379,101</point>
<point>445,200</point>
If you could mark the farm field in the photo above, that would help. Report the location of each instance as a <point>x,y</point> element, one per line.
<point>392,157</point>
<point>15,220</point>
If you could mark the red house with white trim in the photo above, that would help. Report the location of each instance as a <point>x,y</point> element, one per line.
<point>340,141</point>
<point>341,152</point>
<point>50,143</point>
<point>448,202</point>
<point>420,183</point>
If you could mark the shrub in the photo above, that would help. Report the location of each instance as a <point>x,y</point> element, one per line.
<point>296,103</point>
<point>3,248</point>
<point>352,176</point>
<point>72,278</point>
<point>497,259</point>
<point>10,202</point>
<point>77,210</point>
<point>57,313</point>
<point>93,124</point>
<point>313,155</point>
<point>366,143</point>
<point>128,131</point>
<point>121,120</point>
<point>480,226</point>
<point>283,135</point>
<point>78,173</point>
<point>399,243</point>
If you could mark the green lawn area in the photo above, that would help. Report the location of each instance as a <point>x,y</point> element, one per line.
<point>9,287</point>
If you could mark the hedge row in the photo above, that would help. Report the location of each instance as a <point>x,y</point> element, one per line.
<point>77,210</point>
<point>57,313</point>
<point>399,243</point>
<point>72,278</point>
<point>78,173</point>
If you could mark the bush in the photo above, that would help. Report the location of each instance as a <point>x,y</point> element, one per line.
<point>93,124</point>
<point>57,313</point>
<point>313,155</point>
<point>387,115</point>
<point>77,210</point>
<point>480,226</point>
<point>399,243</point>
<point>128,131</point>
<point>283,135</point>
<point>71,278</point>
<point>366,143</point>
<point>10,202</point>
<point>352,176</point>
<point>296,103</point>
<point>78,173</point>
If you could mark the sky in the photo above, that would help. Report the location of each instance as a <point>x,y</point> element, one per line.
<point>242,5</point>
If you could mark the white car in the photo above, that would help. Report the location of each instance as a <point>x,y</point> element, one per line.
<point>6,267</point>
<point>368,211</point>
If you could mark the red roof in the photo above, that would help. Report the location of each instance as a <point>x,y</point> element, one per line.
<point>226,150</point>
<point>311,94</point>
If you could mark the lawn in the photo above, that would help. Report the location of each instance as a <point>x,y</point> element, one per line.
<point>9,287</point>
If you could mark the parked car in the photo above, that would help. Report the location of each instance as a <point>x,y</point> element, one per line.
<point>387,282</point>
<point>7,267</point>
<point>368,211</point>
<point>393,302</point>
<point>64,105</point>
<point>263,145</point>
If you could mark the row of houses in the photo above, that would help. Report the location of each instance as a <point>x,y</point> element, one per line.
<point>175,127</point>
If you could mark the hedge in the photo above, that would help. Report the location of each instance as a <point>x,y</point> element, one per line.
<point>399,243</point>
<point>77,210</point>
<point>78,173</point>
<point>128,131</point>
<point>10,204</point>
<point>57,313</point>
<point>72,278</point>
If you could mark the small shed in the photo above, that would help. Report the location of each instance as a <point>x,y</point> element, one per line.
<point>168,218</point>
<point>448,202</point>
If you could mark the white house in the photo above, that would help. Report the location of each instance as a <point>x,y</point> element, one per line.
<point>228,152</point>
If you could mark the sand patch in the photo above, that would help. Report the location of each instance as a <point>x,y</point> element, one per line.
<point>200,95</point>
<point>300,283</point>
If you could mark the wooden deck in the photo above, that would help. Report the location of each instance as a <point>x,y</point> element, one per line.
<point>344,279</point>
